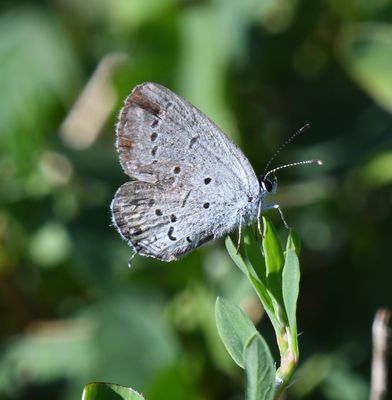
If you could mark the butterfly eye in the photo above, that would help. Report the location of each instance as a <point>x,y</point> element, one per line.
<point>268,185</point>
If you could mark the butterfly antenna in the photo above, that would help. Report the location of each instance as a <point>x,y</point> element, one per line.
<point>282,146</point>
<point>317,161</point>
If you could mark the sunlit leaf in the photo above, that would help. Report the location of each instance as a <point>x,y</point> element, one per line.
<point>293,242</point>
<point>274,259</point>
<point>259,287</point>
<point>254,252</point>
<point>290,287</point>
<point>109,391</point>
<point>234,327</point>
<point>235,255</point>
<point>378,171</point>
<point>366,53</point>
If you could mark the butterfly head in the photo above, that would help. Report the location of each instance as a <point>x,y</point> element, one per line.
<point>268,185</point>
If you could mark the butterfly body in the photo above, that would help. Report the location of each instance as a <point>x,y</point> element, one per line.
<point>190,183</point>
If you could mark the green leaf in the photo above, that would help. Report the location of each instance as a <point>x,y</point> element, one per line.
<point>254,253</point>
<point>366,53</point>
<point>259,370</point>
<point>109,391</point>
<point>266,300</point>
<point>235,256</point>
<point>234,327</point>
<point>38,70</point>
<point>259,287</point>
<point>290,285</point>
<point>293,242</point>
<point>378,171</point>
<point>272,249</point>
<point>274,260</point>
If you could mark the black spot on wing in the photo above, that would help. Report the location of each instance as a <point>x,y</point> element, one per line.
<point>193,141</point>
<point>185,199</point>
<point>206,239</point>
<point>170,234</point>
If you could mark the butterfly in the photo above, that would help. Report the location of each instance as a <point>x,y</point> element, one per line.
<point>190,183</point>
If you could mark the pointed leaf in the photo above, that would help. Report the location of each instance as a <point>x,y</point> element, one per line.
<point>274,260</point>
<point>266,300</point>
<point>272,249</point>
<point>235,256</point>
<point>293,242</point>
<point>259,370</point>
<point>254,253</point>
<point>290,284</point>
<point>259,287</point>
<point>234,327</point>
<point>109,391</point>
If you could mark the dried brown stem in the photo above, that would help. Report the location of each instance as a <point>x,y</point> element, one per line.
<point>380,332</point>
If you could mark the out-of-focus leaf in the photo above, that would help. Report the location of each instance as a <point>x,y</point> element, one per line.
<point>174,382</point>
<point>48,352</point>
<point>378,172</point>
<point>37,69</point>
<point>109,391</point>
<point>50,245</point>
<point>121,15</point>
<point>366,53</point>
<point>259,370</point>
<point>99,345</point>
<point>234,327</point>
<point>332,373</point>
<point>203,65</point>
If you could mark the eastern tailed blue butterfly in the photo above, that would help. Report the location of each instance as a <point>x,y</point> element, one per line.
<point>191,184</point>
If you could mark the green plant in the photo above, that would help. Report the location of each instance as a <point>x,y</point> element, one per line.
<point>274,274</point>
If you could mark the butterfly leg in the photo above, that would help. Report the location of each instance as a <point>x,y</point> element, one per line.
<point>259,221</point>
<point>130,260</point>
<point>239,235</point>
<point>277,207</point>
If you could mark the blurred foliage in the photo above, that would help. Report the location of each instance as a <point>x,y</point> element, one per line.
<point>71,311</point>
<point>108,391</point>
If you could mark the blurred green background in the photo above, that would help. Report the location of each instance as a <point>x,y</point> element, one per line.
<point>71,311</point>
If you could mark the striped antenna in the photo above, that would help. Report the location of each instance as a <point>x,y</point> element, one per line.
<point>300,130</point>
<point>318,162</point>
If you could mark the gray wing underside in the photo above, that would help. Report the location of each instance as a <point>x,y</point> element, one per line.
<point>155,123</point>
<point>157,223</point>
<point>184,167</point>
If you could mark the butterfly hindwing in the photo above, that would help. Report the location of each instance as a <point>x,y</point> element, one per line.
<point>165,225</point>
